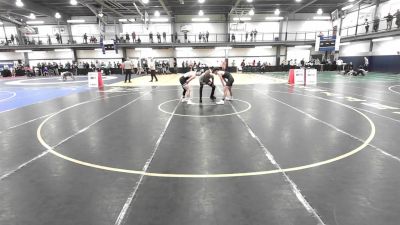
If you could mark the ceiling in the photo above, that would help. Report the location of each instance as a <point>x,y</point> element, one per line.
<point>126,8</point>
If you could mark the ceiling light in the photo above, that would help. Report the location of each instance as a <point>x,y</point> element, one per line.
<point>123,20</point>
<point>157,13</point>
<point>100,14</point>
<point>382,39</point>
<point>298,0</point>
<point>223,48</point>
<point>202,1</point>
<point>32,16</point>
<point>274,18</point>
<point>322,18</point>
<point>19,3</point>
<point>205,19</point>
<point>35,22</point>
<point>251,12</point>
<point>159,20</point>
<point>351,0</point>
<point>319,12</point>
<point>75,21</point>
<point>73,2</point>
<point>277,12</point>
<point>241,18</point>
<point>63,50</point>
<point>303,46</point>
<point>201,13</point>
<point>23,50</point>
<point>263,47</point>
<point>57,15</point>
<point>347,7</point>
<point>145,1</point>
<point>249,0</point>
<point>132,20</point>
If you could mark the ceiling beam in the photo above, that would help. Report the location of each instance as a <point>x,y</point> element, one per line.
<point>165,7</point>
<point>16,22</point>
<point>101,2</point>
<point>302,7</point>
<point>235,6</point>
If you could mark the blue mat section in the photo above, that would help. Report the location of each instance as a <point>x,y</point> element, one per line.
<point>29,96</point>
<point>381,63</point>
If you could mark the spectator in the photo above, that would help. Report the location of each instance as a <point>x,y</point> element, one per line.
<point>185,37</point>
<point>255,35</point>
<point>254,62</point>
<point>200,36</point>
<point>85,38</point>
<point>127,37</point>
<point>376,24</point>
<point>366,63</point>
<point>151,36</point>
<point>366,24</point>
<point>207,35</point>
<point>12,39</point>
<point>233,38</point>
<point>251,35</point>
<point>389,19</point>
<point>133,36</point>
<point>247,36</point>
<point>164,36</point>
<point>58,38</point>
<point>397,18</point>
<point>159,37</point>
<point>176,37</point>
<point>139,41</point>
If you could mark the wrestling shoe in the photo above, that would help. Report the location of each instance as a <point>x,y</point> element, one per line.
<point>221,102</point>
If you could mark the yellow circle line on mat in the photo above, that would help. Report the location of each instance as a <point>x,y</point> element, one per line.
<point>220,175</point>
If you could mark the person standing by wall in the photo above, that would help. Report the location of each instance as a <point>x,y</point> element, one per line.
<point>376,24</point>
<point>366,25</point>
<point>366,64</point>
<point>207,35</point>
<point>164,36</point>
<point>152,67</point>
<point>397,18</point>
<point>389,19</point>
<point>128,70</point>
<point>133,36</point>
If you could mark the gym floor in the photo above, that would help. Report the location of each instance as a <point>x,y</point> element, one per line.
<point>134,154</point>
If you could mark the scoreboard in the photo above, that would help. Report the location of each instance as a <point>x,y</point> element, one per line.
<point>327,43</point>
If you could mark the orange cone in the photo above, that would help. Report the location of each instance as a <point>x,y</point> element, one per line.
<point>100,80</point>
<point>291,76</point>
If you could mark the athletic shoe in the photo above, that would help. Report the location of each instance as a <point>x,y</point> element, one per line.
<point>189,102</point>
<point>221,102</point>
<point>201,101</point>
<point>213,98</point>
<point>184,100</point>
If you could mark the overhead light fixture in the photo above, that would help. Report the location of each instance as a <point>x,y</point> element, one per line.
<point>251,12</point>
<point>75,21</point>
<point>347,7</point>
<point>263,47</point>
<point>184,48</point>
<point>132,20</point>
<point>202,1</point>
<point>73,2</point>
<point>303,46</point>
<point>223,48</point>
<point>351,0</point>
<point>382,39</point>
<point>159,20</point>
<point>157,13</point>
<point>274,18</point>
<point>201,13</point>
<point>63,50</point>
<point>145,1</point>
<point>321,17</point>
<point>205,19</point>
<point>32,16</point>
<point>241,18</point>
<point>100,14</point>
<point>57,15</point>
<point>298,0</point>
<point>19,3</point>
<point>249,0</point>
<point>345,43</point>
<point>23,50</point>
<point>319,12</point>
<point>123,20</point>
<point>35,22</point>
<point>277,12</point>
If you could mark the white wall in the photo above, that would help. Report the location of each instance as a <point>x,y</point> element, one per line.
<point>196,28</point>
<point>298,54</point>
<point>150,53</point>
<point>391,47</point>
<point>307,29</point>
<point>11,56</point>
<point>355,49</point>
<point>94,54</point>
<point>9,31</point>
